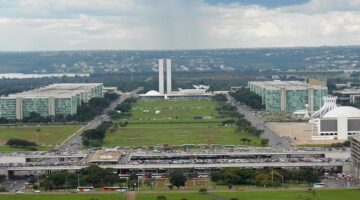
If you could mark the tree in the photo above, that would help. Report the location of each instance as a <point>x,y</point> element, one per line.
<point>111,96</point>
<point>272,178</point>
<point>98,177</point>
<point>177,178</point>
<point>2,178</point>
<point>20,143</point>
<point>264,141</point>
<point>161,197</point>
<point>249,98</point>
<point>48,185</point>
<point>124,107</point>
<point>133,181</point>
<point>310,175</point>
<point>34,117</point>
<point>58,178</point>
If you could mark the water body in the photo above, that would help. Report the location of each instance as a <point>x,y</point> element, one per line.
<point>23,76</point>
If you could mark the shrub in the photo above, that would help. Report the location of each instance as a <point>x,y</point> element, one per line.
<point>3,189</point>
<point>20,143</point>
<point>161,197</point>
<point>203,190</point>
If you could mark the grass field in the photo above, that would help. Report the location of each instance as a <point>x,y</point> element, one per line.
<point>175,125</point>
<point>288,195</point>
<point>63,197</point>
<point>45,136</point>
<point>257,195</point>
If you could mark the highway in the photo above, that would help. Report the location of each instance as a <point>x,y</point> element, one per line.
<point>274,139</point>
<point>182,166</point>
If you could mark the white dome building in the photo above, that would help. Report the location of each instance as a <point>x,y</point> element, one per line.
<point>339,123</point>
<point>152,94</point>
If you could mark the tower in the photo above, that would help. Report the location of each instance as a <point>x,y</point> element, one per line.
<point>168,76</point>
<point>161,76</point>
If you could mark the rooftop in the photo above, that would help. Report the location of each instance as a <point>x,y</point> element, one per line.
<point>294,85</point>
<point>343,111</point>
<point>57,90</point>
<point>102,156</point>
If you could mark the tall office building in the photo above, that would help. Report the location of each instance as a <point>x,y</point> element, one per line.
<point>168,76</point>
<point>161,76</point>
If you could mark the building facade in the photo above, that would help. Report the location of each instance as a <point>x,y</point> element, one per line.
<point>288,96</point>
<point>55,99</point>
<point>340,123</point>
<point>355,157</point>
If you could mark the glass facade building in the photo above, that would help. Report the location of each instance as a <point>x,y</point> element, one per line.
<point>55,99</point>
<point>288,96</point>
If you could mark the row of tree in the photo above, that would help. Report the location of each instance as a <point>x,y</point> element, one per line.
<point>99,177</point>
<point>123,110</point>
<point>90,176</point>
<point>265,177</point>
<point>20,143</point>
<point>95,137</point>
<point>237,119</point>
<point>95,106</point>
<point>249,98</point>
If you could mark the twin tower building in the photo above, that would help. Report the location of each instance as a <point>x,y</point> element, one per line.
<point>162,65</point>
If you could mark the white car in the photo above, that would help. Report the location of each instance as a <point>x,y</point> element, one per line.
<point>36,191</point>
<point>19,192</point>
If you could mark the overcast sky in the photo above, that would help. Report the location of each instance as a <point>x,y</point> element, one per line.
<point>176,24</point>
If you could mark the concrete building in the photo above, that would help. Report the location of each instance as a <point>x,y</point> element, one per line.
<point>288,96</point>
<point>55,99</point>
<point>355,157</point>
<point>168,76</point>
<point>198,91</point>
<point>339,124</point>
<point>110,90</point>
<point>161,76</point>
<point>351,95</point>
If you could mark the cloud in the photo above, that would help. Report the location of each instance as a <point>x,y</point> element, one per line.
<point>174,24</point>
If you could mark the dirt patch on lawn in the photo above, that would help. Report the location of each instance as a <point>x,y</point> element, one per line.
<point>131,196</point>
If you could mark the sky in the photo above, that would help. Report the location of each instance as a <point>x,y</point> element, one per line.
<point>33,25</point>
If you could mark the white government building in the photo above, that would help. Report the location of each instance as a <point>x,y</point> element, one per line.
<point>336,123</point>
<point>199,91</point>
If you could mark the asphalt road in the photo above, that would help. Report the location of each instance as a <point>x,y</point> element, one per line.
<point>274,139</point>
<point>75,144</point>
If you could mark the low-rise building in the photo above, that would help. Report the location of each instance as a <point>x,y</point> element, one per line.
<point>56,99</point>
<point>288,96</point>
<point>340,123</point>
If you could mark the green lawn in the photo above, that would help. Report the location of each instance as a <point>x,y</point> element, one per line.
<point>175,125</point>
<point>169,109</point>
<point>272,195</point>
<point>177,135</point>
<point>63,197</point>
<point>254,195</point>
<point>47,137</point>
